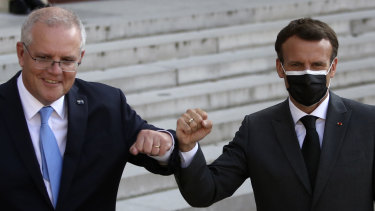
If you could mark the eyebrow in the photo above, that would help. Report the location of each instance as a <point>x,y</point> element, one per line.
<point>301,63</point>
<point>294,62</point>
<point>320,63</point>
<point>71,58</point>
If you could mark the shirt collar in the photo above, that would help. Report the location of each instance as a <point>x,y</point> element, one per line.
<point>31,105</point>
<point>320,111</point>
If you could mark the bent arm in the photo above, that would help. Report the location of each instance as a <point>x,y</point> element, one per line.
<point>202,185</point>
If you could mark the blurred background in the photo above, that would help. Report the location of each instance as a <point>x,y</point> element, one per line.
<point>171,55</point>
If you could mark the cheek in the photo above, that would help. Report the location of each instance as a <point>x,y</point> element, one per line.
<point>328,80</point>
<point>286,83</point>
<point>68,82</point>
<point>20,62</point>
<point>29,77</point>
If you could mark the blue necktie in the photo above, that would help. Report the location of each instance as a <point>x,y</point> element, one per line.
<point>50,153</point>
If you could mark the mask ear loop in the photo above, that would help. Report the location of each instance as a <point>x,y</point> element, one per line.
<point>329,70</point>
<point>282,66</point>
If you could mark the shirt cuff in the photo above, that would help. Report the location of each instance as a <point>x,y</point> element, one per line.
<point>163,160</point>
<point>187,157</point>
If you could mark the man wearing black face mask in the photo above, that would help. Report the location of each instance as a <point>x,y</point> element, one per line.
<point>312,152</point>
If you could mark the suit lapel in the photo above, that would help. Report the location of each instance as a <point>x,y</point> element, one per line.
<point>286,135</point>
<point>336,125</point>
<point>14,117</point>
<point>77,119</point>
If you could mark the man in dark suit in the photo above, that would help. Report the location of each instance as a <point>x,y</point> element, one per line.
<point>327,164</point>
<point>24,7</point>
<point>91,127</point>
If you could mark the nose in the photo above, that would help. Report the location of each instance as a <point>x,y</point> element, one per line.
<point>55,67</point>
<point>307,67</point>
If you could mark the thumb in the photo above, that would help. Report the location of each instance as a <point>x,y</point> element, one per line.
<point>207,124</point>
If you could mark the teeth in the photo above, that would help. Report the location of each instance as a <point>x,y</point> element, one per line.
<point>51,81</point>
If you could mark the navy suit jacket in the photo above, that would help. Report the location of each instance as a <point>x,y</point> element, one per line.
<point>100,133</point>
<point>266,150</point>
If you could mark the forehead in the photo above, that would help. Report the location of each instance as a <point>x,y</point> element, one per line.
<point>55,38</point>
<point>297,49</point>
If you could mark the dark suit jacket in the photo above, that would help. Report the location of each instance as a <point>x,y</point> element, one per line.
<point>100,133</point>
<point>266,149</point>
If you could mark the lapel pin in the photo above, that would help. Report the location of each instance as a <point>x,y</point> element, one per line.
<point>80,102</point>
<point>339,123</point>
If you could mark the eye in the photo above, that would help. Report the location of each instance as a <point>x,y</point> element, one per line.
<point>295,64</point>
<point>318,66</point>
<point>42,57</point>
<point>68,61</point>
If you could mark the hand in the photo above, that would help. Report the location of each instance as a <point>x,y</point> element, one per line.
<point>151,142</point>
<point>192,126</point>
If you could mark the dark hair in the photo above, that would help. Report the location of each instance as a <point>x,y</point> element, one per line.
<point>307,29</point>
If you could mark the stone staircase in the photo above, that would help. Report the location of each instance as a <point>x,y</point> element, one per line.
<point>168,56</point>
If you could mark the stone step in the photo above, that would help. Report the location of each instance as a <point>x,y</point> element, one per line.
<point>172,200</point>
<point>138,184</point>
<point>137,181</point>
<point>134,19</point>
<point>101,56</point>
<point>234,92</point>
<point>362,93</point>
<point>227,121</point>
<point>164,74</point>
<point>178,72</point>
<point>113,20</point>
<point>145,191</point>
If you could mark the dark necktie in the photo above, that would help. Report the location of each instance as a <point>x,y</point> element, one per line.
<point>50,153</point>
<point>311,147</point>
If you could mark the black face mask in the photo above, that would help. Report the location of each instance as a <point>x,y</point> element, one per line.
<point>307,89</point>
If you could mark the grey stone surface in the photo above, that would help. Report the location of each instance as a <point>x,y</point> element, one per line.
<point>111,19</point>
<point>102,56</point>
<point>170,55</point>
<point>137,181</point>
<point>172,200</point>
<point>234,92</point>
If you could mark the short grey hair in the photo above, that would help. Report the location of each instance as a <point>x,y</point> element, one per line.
<point>52,16</point>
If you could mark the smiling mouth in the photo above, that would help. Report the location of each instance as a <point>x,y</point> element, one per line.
<point>50,81</point>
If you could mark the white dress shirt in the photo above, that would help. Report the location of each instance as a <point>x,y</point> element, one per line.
<point>58,122</point>
<point>320,112</point>
<point>297,114</point>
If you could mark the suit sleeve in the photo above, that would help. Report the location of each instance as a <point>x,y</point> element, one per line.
<point>202,185</point>
<point>133,124</point>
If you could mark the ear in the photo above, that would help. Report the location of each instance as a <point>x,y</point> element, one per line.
<point>333,68</point>
<point>20,53</point>
<point>279,69</point>
<point>82,54</point>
